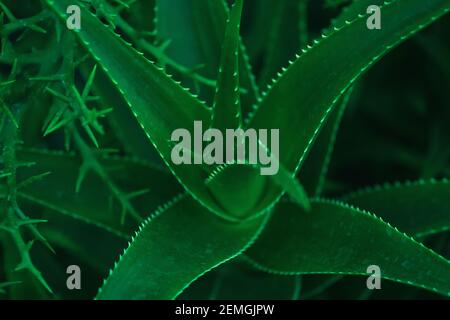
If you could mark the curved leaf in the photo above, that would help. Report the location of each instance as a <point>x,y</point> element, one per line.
<point>315,168</point>
<point>355,8</point>
<point>418,208</point>
<point>299,108</point>
<point>196,40</point>
<point>249,189</point>
<point>160,108</point>
<point>158,102</point>
<point>320,76</point>
<point>173,249</point>
<point>338,239</point>
<point>227,103</point>
<point>282,20</point>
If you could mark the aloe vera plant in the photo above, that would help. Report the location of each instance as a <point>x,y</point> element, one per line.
<point>87,178</point>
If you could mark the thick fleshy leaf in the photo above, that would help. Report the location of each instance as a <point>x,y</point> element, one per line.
<point>315,168</point>
<point>331,66</point>
<point>173,249</point>
<point>290,184</point>
<point>94,203</point>
<point>355,8</point>
<point>192,48</point>
<point>249,189</point>
<point>337,239</point>
<point>160,104</point>
<point>227,103</point>
<point>348,51</point>
<point>185,45</point>
<point>417,208</point>
<point>281,20</point>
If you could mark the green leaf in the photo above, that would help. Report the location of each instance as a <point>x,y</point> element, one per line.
<point>248,187</point>
<point>170,106</point>
<point>314,170</point>
<point>93,203</point>
<point>173,249</point>
<point>281,20</point>
<point>418,208</point>
<point>307,87</point>
<point>196,40</point>
<point>292,187</point>
<point>158,102</point>
<point>337,239</point>
<point>314,83</point>
<point>185,44</point>
<point>227,104</point>
<point>354,9</point>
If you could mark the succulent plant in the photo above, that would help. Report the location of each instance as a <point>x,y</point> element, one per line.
<point>87,180</point>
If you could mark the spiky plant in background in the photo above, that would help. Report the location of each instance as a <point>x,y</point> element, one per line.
<point>86,117</point>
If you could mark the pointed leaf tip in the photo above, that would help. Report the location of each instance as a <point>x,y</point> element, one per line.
<point>227,112</point>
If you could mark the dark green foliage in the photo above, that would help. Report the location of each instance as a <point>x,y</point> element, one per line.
<point>86,119</point>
